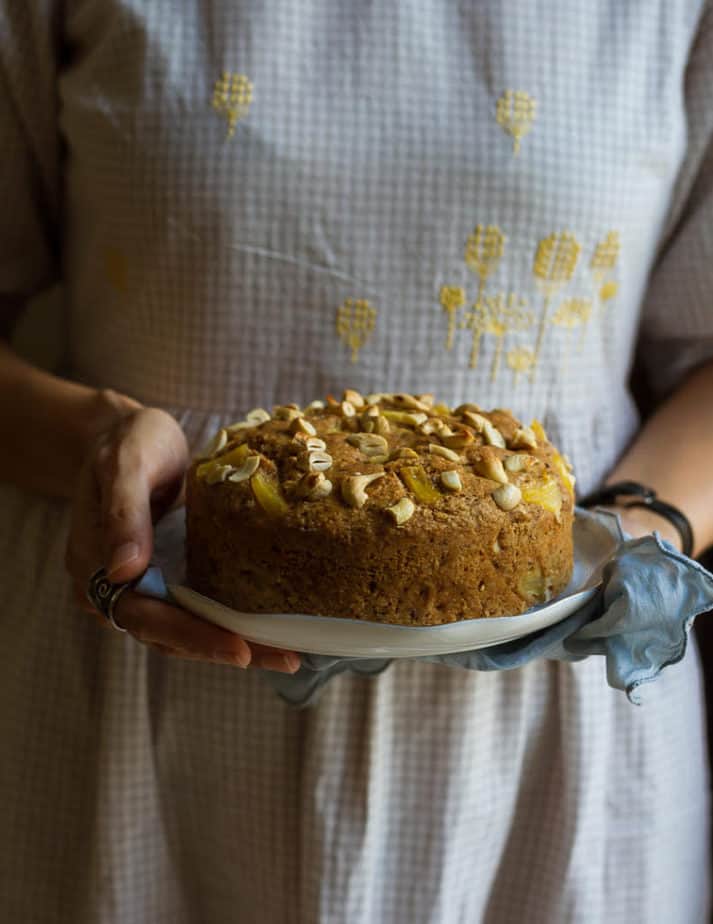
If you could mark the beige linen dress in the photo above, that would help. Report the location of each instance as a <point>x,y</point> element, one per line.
<point>261,201</point>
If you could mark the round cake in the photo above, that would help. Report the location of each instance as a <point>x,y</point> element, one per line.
<point>388,507</point>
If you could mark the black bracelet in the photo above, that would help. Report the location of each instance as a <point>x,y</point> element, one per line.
<point>646,497</point>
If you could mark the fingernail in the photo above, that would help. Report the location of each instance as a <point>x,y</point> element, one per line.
<point>233,658</point>
<point>286,664</point>
<point>122,556</point>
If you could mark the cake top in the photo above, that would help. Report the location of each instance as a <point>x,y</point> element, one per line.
<point>398,457</point>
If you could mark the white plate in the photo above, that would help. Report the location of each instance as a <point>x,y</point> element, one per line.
<point>595,539</point>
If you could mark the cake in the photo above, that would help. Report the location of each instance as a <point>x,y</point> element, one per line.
<point>389,507</point>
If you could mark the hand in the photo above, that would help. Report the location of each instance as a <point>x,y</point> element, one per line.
<point>131,476</point>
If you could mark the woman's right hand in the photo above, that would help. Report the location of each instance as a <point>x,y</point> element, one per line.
<point>131,476</point>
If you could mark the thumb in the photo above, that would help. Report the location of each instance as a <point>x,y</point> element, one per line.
<point>145,462</point>
<point>126,526</point>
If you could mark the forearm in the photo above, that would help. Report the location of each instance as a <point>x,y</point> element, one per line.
<point>673,454</point>
<point>47,424</point>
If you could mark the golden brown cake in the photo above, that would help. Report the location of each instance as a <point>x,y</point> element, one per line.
<point>388,507</point>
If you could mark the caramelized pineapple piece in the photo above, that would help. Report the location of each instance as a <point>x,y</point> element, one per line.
<point>416,479</point>
<point>441,409</point>
<point>539,431</point>
<point>545,492</point>
<point>533,586</point>
<point>268,495</point>
<point>562,469</point>
<point>235,456</point>
<point>212,472</point>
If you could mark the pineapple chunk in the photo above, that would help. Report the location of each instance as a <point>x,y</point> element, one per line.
<point>212,472</point>
<point>204,469</point>
<point>235,456</point>
<point>268,495</point>
<point>561,468</point>
<point>539,431</point>
<point>416,480</point>
<point>441,410</point>
<point>533,587</point>
<point>546,493</point>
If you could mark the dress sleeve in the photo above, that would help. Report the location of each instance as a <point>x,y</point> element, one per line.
<point>29,168</point>
<point>676,332</point>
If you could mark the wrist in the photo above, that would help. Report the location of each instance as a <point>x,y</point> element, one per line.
<point>640,521</point>
<point>639,506</point>
<point>49,424</point>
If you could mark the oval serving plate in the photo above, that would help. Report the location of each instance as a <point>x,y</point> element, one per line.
<point>594,543</point>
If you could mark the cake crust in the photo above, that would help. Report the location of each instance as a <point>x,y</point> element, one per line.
<point>412,513</point>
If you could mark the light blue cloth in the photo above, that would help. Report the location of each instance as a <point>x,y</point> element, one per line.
<point>639,621</point>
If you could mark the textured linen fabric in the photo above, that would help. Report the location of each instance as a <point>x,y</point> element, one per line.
<point>206,239</point>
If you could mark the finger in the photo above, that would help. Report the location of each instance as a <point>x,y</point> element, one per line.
<point>274,659</point>
<point>288,663</point>
<point>277,663</point>
<point>152,621</point>
<point>167,497</point>
<point>185,635</point>
<point>168,652</point>
<point>148,458</point>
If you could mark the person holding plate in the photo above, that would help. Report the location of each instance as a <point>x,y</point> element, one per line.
<point>257,203</point>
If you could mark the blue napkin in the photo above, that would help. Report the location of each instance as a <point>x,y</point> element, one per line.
<point>638,621</point>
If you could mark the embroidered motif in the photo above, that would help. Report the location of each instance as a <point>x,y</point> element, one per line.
<point>608,291</point>
<point>483,252</point>
<point>496,314</point>
<point>520,359</point>
<point>116,269</point>
<point>232,96</point>
<point>604,259</point>
<point>356,319</point>
<point>515,113</point>
<point>573,313</point>
<point>451,298</point>
<point>555,263</point>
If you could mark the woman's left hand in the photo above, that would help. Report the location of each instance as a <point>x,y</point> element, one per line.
<point>132,474</point>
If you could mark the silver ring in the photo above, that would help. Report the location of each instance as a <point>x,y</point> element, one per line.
<point>104,595</point>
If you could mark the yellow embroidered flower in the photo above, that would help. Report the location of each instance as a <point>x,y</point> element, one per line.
<point>608,290</point>
<point>356,319</point>
<point>520,359</point>
<point>606,254</point>
<point>497,315</point>
<point>484,250</point>
<point>232,96</point>
<point>515,113</point>
<point>604,260</point>
<point>451,298</point>
<point>556,260</point>
<point>573,312</point>
<point>476,321</point>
